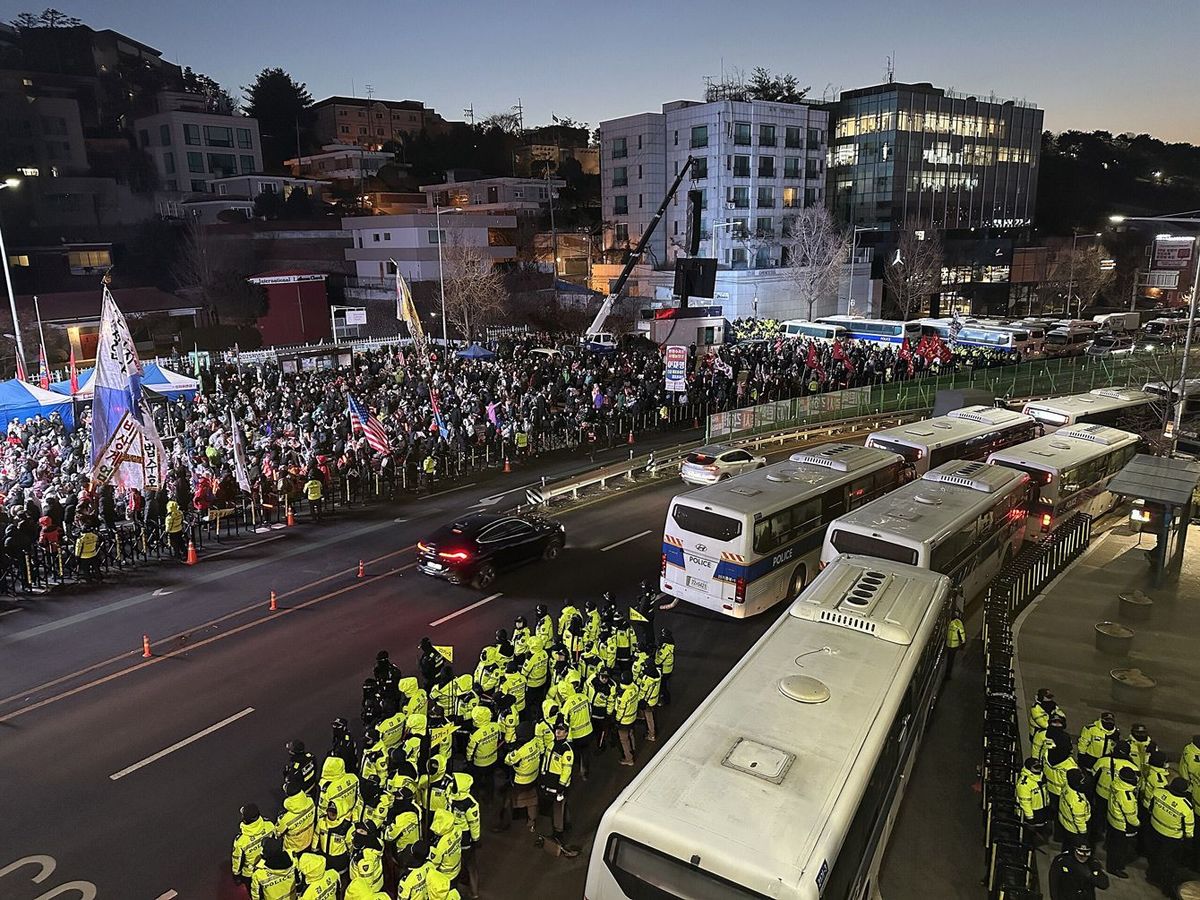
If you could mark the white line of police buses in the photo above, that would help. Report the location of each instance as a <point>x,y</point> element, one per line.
<point>786,781</point>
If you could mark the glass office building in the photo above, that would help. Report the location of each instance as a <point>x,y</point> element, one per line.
<point>942,160</point>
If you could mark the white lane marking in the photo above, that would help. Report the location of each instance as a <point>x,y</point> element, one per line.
<point>632,537</point>
<point>277,537</point>
<point>162,592</point>
<point>9,612</point>
<point>496,498</point>
<point>461,487</point>
<point>169,895</point>
<point>179,744</point>
<point>465,609</point>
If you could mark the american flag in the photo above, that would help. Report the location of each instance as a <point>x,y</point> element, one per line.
<point>362,420</point>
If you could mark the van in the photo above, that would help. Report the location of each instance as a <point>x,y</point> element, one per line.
<point>1071,341</point>
<point>1118,322</point>
<point>1164,331</point>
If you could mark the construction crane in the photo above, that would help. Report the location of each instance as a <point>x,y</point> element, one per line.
<point>595,338</point>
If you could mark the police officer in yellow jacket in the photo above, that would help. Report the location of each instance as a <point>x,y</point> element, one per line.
<point>297,824</point>
<point>1074,810</point>
<point>87,552</point>
<point>314,490</point>
<point>1097,740</point>
<point>1174,824</point>
<point>649,691</point>
<point>625,712</point>
<point>602,698</point>
<point>578,715</point>
<point>956,636</point>
<point>555,781</point>
<point>247,846</point>
<point>446,850</point>
<point>316,880</point>
<point>275,876</point>
<point>483,751</point>
<point>333,838</point>
<point>1033,798</point>
<point>338,786</point>
<point>1156,776</point>
<point>525,760</point>
<point>173,527</point>
<point>466,813</point>
<point>664,658</point>
<point>1123,821</point>
<point>1189,768</point>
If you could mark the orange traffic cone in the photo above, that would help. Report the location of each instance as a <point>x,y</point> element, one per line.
<point>192,559</point>
<point>291,517</point>
<point>146,654</point>
<point>630,440</point>
<point>362,569</point>
<point>274,602</point>
<point>507,466</point>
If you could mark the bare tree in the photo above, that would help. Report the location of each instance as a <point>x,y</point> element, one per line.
<point>1077,275</point>
<point>475,291</point>
<point>914,270</point>
<point>208,273</point>
<point>815,250</point>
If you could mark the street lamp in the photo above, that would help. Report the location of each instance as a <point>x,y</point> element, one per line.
<point>437,212</point>
<point>1187,340</point>
<point>12,300</point>
<point>713,238</point>
<point>1075,236</point>
<point>853,250</point>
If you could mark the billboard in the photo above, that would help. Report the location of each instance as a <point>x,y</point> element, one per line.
<point>1173,252</point>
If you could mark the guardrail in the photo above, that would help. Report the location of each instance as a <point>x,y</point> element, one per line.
<point>659,461</point>
<point>1009,840</point>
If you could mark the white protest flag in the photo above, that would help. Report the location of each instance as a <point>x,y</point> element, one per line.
<point>239,455</point>
<point>126,448</point>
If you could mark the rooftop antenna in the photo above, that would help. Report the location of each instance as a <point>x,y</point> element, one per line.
<point>520,111</point>
<point>891,68</point>
<point>469,112</point>
<point>370,92</point>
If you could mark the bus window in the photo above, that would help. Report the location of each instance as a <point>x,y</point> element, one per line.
<point>850,542</point>
<point>705,523</point>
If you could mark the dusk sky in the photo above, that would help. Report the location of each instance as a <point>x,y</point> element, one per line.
<point>1104,64</point>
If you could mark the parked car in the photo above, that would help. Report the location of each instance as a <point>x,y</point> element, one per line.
<point>474,549</point>
<point>717,462</point>
<point>1111,345</point>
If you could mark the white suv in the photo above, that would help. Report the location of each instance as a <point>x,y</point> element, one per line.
<point>717,462</point>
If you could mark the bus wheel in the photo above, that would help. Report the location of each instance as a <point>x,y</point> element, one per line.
<point>799,577</point>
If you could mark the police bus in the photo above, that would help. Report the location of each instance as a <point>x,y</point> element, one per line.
<point>816,330</point>
<point>1071,470</point>
<point>1103,406</point>
<point>1006,339</point>
<point>962,519</point>
<point>785,782</point>
<point>883,331</point>
<point>968,433</point>
<point>740,546</point>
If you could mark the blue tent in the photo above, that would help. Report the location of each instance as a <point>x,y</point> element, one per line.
<point>161,381</point>
<point>19,400</point>
<point>476,352</point>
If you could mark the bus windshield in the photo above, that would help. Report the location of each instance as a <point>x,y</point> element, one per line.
<point>910,454</point>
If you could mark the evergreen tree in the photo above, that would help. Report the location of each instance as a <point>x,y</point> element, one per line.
<point>285,116</point>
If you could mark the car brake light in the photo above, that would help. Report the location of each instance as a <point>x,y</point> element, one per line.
<point>457,554</point>
<point>739,590</point>
<point>1046,521</point>
<point>422,546</point>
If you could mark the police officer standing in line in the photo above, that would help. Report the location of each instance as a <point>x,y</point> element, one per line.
<point>1033,799</point>
<point>1097,740</point>
<point>301,768</point>
<point>1075,875</point>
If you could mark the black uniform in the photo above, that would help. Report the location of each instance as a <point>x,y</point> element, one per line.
<point>1074,879</point>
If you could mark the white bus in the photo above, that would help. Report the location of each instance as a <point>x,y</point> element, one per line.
<point>883,331</point>
<point>1168,394</point>
<point>785,782</point>
<point>740,546</point>
<point>1071,470</point>
<point>1164,331</point>
<point>1006,340</point>
<point>1103,406</point>
<point>817,330</point>
<point>963,520</point>
<point>968,433</point>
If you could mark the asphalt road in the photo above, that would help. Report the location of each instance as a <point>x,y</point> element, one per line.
<point>231,683</point>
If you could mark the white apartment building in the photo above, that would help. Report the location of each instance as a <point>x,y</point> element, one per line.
<point>515,196</point>
<point>412,242</point>
<point>191,147</point>
<point>756,162</point>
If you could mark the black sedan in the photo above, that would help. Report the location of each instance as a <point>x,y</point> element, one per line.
<point>476,547</point>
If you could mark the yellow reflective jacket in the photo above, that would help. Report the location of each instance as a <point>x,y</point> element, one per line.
<point>526,761</point>
<point>297,823</point>
<point>1172,816</point>
<point>273,884</point>
<point>247,846</point>
<point>625,709</point>
<point>1032,795</point>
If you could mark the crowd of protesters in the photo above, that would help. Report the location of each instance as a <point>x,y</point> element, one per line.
<point>442,415</point>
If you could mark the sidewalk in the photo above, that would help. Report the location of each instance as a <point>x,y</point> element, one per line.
<point>1056,649</point>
